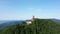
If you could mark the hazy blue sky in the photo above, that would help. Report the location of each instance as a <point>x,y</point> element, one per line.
<point>25,9</point>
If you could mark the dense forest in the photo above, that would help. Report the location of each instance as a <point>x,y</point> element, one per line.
<point>38,26</point>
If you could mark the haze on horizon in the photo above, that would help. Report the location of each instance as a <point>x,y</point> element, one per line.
<point>25,9</point>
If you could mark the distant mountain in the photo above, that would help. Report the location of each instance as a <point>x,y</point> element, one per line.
<point>38,26</point>
<point>4,24</point>
<point>56,20</point>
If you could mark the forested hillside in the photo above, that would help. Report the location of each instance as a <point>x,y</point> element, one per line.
<point>38,26</point>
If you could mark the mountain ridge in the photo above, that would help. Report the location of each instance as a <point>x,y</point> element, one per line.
<point>39,26</point>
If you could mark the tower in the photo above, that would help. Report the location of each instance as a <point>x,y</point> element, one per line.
<point>33,18</point>
<point>30,21</point>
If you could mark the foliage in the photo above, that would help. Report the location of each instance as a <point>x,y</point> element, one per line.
<point>38,26</point>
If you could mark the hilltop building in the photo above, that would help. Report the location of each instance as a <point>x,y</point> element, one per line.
<point>30,21</point>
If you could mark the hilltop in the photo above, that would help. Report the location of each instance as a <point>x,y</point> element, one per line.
<point>38,26</point>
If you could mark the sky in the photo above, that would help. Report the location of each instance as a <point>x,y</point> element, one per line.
<point>25,9</point>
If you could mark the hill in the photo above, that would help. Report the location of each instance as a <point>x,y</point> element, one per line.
<point>56,20</point>
<point>38,26</point>
<point>7,23</point>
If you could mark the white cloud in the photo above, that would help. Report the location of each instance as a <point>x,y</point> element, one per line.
<point>35,9</point>
<point>31,8</point>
